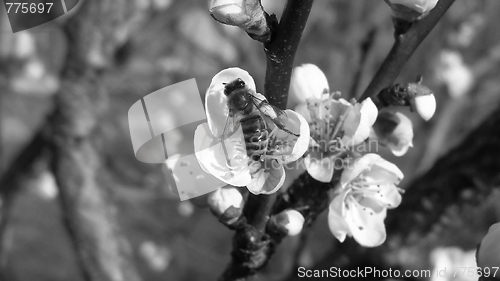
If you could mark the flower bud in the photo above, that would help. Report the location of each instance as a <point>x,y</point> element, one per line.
<point>407,11</point>
<point>226,203</point>
<point>424,103</point>
<point>228,11</point>
<point>488,253</point>
<point>308,81</point>
<point>420,6</point>
<point>394,130</point>
<point>289,220</point>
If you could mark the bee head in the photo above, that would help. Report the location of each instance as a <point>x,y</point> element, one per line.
<point>236,84</point>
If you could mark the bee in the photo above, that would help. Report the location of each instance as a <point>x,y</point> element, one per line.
<point>256,116</point>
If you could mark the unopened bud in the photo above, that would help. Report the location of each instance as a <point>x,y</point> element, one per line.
<point>308,81</point>
<point>420,6</point>
<point>226,203</point>
<point>405,12</point>
<point>230,12</point>
<point>424,104</point>
<point>290,221</point>
<point>488,253</point>
<point>394,130</point>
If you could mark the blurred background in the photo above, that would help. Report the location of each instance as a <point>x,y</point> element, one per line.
<point>168,41</point>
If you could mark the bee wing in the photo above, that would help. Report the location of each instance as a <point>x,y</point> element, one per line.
<point>231,126</point>
<point>268,110</point>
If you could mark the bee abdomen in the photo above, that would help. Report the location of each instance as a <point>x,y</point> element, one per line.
<point>255,133</point>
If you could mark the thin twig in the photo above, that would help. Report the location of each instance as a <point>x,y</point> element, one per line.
<point>403,48</point>
<point>366,46</point>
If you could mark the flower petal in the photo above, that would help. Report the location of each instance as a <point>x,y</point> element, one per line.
<point>216,101</point>
<point>360,165</point>
<point>394,130</point>
<point>211,156</point>
<point>267,179</point>
<point>488,254</point>
<point>302,142</point>
<point>368,112</point>
<point>383,195</point>
<point>304,111</point>
<point>288,148</point>
<point>366,225</point>
<point>351,124</point>
<point>308,81</point>
<point>420,6</point>
<point>217,111</point>
<point>336,222</point>
<point>387,170</point>
<point>319,167</point>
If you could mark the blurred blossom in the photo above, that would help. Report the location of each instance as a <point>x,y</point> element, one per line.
<point>291,220</point>
<point>24,45</point>
<point>308,81</point>
<point>488,253</point>
<point>454,73</point>
<point>224,198</point>
<point>468,31</point>
<point>162,5</point>
<point>157,257</point>
<point>35,69</point>
<point>34,79</point>
<point>185,208</point>
<point>204,33</point>
<point>225,156</point>
<point>394,130</point>
<point>20,45</point>
<point>452,258</point>
<point>46,186</point>
<point>367,189</point>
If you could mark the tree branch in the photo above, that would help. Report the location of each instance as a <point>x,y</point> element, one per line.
<point>281,51</point>
<point>403,48</point>
<point>250,249</point>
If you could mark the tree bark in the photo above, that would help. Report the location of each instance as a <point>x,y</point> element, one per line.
<point>94,35</point>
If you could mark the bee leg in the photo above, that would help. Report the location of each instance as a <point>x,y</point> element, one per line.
<point>226,154</point>
<point>223,144</point>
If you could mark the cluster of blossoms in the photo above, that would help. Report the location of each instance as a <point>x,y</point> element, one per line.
<point>368,184</point>
<point>326,130</point>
